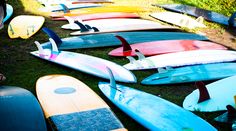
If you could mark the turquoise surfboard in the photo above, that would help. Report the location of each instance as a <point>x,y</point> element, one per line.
<point>20,110</point>
<point>9,12</point>
<point>109,39</point>
<point>85,63</point>
<point>197,12</point>
<point>151,111</point>
<point>202,72</point>
<point>212,97</point>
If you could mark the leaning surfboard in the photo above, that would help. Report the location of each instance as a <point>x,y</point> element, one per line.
<point>179,19</point>
<point>109,39</point>
<point>114,25</point>
<point>197,12</point>
<point>85,63</point>
<point>202,72</point>
<point>180,59</point>
<point>69,104</point>
<point>25,26</point>
<point>212,97</point>
<point>9,12</point>
<point>151,111</point>
<point>20,110</point>
<point>163,47</point>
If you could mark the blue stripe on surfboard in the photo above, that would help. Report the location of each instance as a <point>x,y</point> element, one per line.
<point>99,119</point>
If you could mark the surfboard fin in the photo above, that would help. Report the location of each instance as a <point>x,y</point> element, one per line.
<point>161,70</point>
<point>69,19</point>
<point>40,48</point>
<point>231,20</point>
<point>112,79</point>
<point>231,111</point>
<point>83,28</point>
<point>54,45</point>
<point>125,44</point>
<point>131,60</point>
<point>65,8</point>
<point>203,93</point>
<point>52,35</point>
<point>200,19</point>
<point>139,54</point>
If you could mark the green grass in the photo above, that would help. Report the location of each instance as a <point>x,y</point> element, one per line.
<point>22,69</point>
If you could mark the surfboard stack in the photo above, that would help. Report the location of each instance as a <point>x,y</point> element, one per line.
<point>177,56</point>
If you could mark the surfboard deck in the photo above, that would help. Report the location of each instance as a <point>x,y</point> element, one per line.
<point>85,63</point>
<point>192,73</point>
<point>196,12</point>
<point>96,16</point>
<point>20,110</point>
<point>69,104</point>
<point>184,58</point>
<point>109,39</point>
<point>163,47</point>
<point>117,25</point>
<point>221,93</point>
<point>151,111</point>
<point>9,12</point>
<point>127,9</point>
<point>180,19</point>
<point>25,26</point>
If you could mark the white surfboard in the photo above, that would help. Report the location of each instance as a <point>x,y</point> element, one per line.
<point>114,25</point>
<point>221,94</point>
<point>180,59</point>
<point>179,19</point>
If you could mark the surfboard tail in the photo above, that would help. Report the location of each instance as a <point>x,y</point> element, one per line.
<point>203,92</point>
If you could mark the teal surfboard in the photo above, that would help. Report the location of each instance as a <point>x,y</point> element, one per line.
<point>20,110</point>
<point>212,97</point>
<point>151,111</point>
<point>202,72</point>
<point>9,12</point>
<point>109,39</point>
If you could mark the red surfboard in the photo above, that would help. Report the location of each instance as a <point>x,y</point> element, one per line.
<point>162,47</point>
<point>96,16</point>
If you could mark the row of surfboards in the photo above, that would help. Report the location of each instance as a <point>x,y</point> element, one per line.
<point>75,115</point>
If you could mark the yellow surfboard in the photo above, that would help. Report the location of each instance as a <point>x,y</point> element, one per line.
<point>70,104</point>
<point>24,26</point>
<point>103,9</point>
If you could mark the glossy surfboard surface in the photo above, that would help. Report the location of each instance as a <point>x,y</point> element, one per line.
<point>69,104</point>
<point>221,93</point>
<point>9,12</point>
<point>20,110</point>
<point>202,72</point>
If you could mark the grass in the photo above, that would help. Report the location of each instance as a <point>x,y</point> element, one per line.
<point>22,69</point>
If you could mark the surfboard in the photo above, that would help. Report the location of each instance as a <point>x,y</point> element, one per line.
<point>25,26</point>
<point>69,104</point>
<point>73,1</point>
<point>61,7</point>
<point>103,9</point>
<point>96,16</point>
<point>109,39</point>
<point>151,111</point>
<point>180,19</point>
<point>92,1</point>
<point>9,12</point>
<point>176,59</point>
<point>20,110</point>
<point>114,25</point>
<point>220,94</point>
<point>202,72</point>
<point>197,12</point>
<point>163,47</point>
<point>85,63</point>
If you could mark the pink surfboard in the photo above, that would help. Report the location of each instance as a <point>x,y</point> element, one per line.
<point>162,47</point>
<point>96,16</point>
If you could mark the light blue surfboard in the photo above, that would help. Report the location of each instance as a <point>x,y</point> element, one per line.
<point>20,110</point>
<point>151,111</point>
<point>202,72</point>
<point>85,63</point>
<point>221,93</point>
<point>109,39</point>
<point>9,12</point>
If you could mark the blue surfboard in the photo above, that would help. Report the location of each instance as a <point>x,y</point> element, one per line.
<point>151,111</point>
<point>20,110</point>
<point>109,39</point>
<point>9,13</point>
<point>192,73</point>
<point>197,12</point>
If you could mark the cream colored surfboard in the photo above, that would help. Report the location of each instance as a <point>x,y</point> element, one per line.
<point>24,26</point>
<point>68,101</point>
